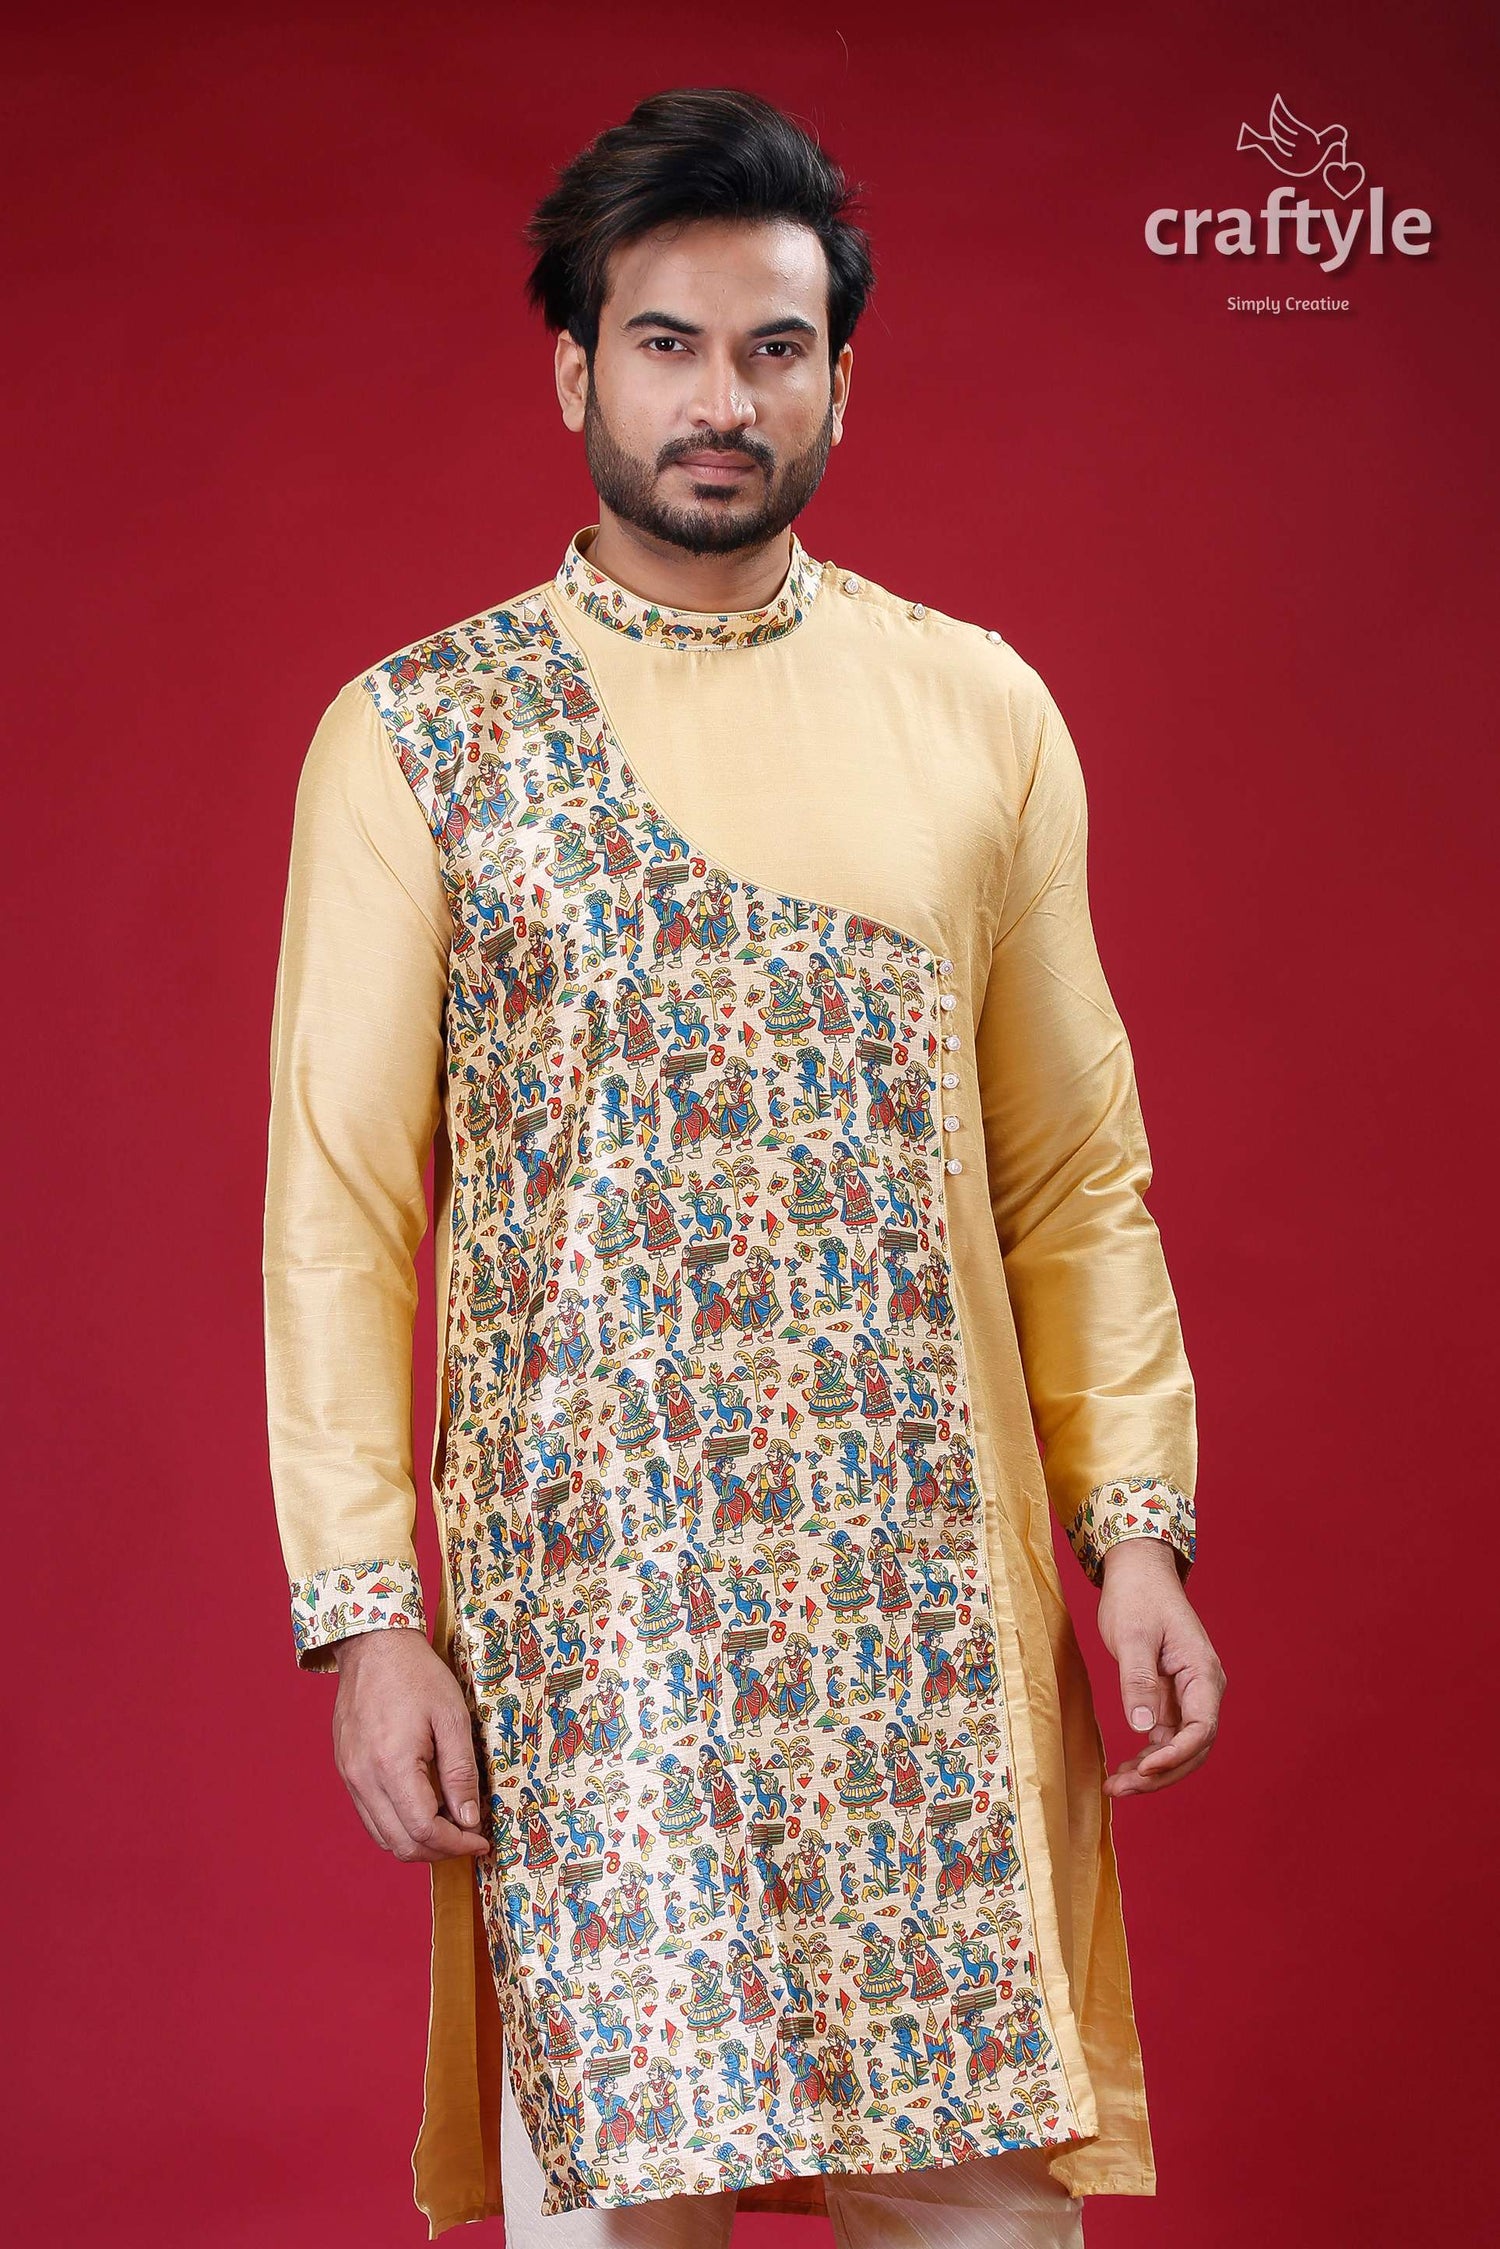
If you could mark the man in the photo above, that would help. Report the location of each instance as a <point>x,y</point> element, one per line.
<point>721,916</point>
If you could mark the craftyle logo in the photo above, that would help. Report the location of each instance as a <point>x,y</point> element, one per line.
<point>1312,159</point>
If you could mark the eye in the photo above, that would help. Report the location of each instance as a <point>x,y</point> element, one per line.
<point>663,340</point>
<point>782,343</point>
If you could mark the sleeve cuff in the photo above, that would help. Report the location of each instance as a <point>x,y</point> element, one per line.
<point>1133,1507</point>
<point>335,1604</point>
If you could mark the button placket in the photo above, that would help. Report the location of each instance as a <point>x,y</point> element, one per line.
<point>952,1121</point>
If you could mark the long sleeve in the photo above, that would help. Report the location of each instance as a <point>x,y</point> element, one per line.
<point>1068,1166</point>
<point>356,1097</point>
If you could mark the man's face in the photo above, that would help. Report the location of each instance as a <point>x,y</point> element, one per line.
<point>710,412</point>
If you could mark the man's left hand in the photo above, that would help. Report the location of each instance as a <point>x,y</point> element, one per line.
<point>1171,1680</point>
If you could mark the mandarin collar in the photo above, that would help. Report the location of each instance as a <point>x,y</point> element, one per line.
<point>606,600</point>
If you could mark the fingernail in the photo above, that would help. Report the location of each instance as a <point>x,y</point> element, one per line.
<point>469,1814</point>
<point>1141,1719</point>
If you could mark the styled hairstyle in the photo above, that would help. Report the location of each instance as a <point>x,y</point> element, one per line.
<point>694,152</point>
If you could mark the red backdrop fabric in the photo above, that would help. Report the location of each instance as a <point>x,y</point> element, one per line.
<point>280,408</point>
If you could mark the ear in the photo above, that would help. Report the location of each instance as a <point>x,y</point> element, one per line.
<point>571,373</point>
<point>843,369</point>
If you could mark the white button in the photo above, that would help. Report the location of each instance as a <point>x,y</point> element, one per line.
<point>947,1000</point>
<point>951,1041</point>
<point>951,1124</point>
<point>953,1164</point>
<point>918,609</point>
<point>950,1077</point>
<point>992,635</point>
<point>851,585</point>
<point>945,968</point>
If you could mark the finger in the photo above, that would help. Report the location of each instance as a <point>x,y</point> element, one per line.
<point>1143,1691</point>
<point>375,1802</point>
<point>367,1797</point>
<point>1166,1738</point>
<point>1189,1738</point>
<point>1198,1697</point>
<point>390,1829</point>
<point>1138,1768</point>
<point>1171,1718</point>
<point>1201,1695</point>
<point>1130,1781</point>
<point>1189,1746</point>
<point>408,1843</point>
<point>416,1805</point>
<point>458,1772</point>
<point>367,1821</point>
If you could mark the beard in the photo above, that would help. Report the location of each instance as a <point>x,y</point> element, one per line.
<point>722,522</point>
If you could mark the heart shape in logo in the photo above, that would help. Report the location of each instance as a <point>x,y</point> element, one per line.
<point>1344,179</point>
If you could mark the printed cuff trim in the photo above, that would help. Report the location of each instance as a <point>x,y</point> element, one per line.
<point>1132,1507</point>
<point>336,1603</point>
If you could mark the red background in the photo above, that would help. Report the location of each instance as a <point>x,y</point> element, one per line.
<point>281,408</point>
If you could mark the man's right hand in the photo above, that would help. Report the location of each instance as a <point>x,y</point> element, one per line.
<point>400,1722</point>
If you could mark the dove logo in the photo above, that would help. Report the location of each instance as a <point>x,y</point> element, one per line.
<point>1317,156</point>
<point>1298,151</point>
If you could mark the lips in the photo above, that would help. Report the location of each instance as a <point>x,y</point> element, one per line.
<point>715,464</point>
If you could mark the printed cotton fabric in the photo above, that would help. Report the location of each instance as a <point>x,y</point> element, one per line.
<point>1006,2201</point>
<point>790,1167</point>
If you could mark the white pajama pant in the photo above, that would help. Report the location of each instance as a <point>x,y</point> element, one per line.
<point>1008,2201</point>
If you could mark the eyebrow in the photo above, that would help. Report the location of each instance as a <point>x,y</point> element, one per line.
<point>690,328</point>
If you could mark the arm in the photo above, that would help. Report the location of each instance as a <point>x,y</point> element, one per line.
<point>1106,1372</point>
<point>357,1060</point>
<point>1068,1165</point>
<point>356,1096</point>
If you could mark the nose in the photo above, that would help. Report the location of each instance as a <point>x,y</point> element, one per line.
<point>721,400</point>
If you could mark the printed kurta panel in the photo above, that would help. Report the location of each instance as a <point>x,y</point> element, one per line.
<point>710,1499</point>
<point>771,1214</point>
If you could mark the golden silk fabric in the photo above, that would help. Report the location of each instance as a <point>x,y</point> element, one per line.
<point>790,1186</point>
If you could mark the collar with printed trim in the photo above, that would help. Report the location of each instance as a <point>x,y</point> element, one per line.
<point>603,598</point>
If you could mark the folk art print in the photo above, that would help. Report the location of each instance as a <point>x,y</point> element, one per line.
<point>756,1903</point>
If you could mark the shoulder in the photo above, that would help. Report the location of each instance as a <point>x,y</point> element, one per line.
<point>966,662</point>
<point>428,698</point>
<point>434,662</point>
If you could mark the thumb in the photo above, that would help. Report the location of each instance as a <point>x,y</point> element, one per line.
<point>1141,1689</point>
<point>458,1774</point>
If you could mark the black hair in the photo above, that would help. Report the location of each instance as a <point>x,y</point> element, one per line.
<point>693,152</point>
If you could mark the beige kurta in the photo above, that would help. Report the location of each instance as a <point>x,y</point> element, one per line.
<point>790,1188</point>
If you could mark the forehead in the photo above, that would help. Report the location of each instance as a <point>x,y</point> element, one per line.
<point>720,269</point>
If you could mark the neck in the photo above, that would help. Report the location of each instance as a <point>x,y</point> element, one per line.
<point>675,579</point>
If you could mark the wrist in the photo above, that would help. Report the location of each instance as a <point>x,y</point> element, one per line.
<point>1144,1553</point>
<point>350,1649</point>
